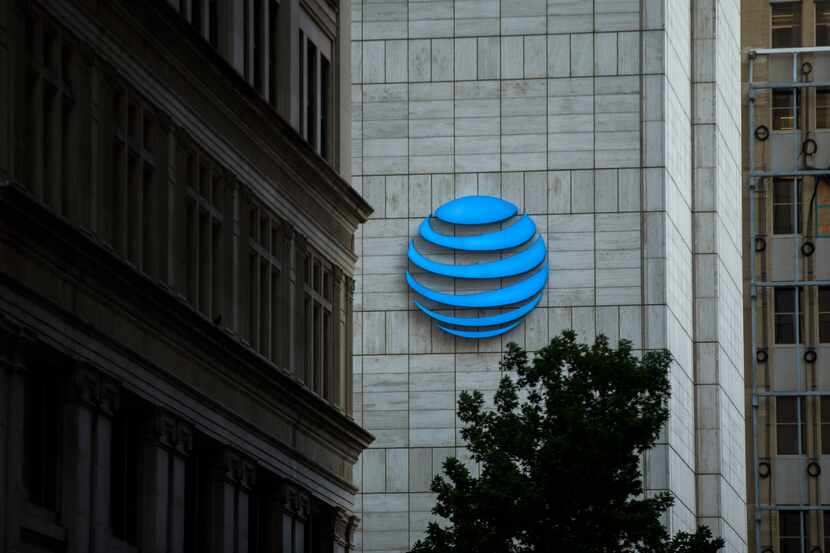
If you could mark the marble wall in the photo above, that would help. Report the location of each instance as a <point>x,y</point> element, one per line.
<point>615,124</point>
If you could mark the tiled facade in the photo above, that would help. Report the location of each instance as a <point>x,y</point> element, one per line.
<point>616,125</point>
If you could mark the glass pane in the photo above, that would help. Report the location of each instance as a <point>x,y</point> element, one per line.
<point>825,412</point>
<point>784,300</point>
<point>782,190</point>
<point>785,410</point>
<point>786,25</point>
<point>824,299</point>
<point>824,328</point>
<point>782,219</point>
<point>787,440</point>
<point>823,104</point>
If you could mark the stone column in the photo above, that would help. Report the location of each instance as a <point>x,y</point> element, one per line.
<point>15,342</point>
<point>295,511</point>
<point>101,469</point>
<point>82,395</point>
<point>340,531</point>
<point>167,441</point>
<point>351,527</point>
<point>231,484</point>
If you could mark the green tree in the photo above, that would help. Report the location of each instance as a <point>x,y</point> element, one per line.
<point>559,455</point>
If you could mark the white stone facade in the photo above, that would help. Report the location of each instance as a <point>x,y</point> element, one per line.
<point>616,125</point>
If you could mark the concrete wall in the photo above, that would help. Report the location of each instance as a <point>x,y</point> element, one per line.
<point>613,123</point>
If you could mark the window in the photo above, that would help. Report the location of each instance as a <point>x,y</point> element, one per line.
<point>52,115</point>
<point>791,425</point>
<point>318,320</point>
<point>126,456</point>
<point>273,52</point>
<point>42,438</point>
<point>205,186</point>
<point>823,108</point>
<point>786,24</point>
<point>785,315</point>
<point>316,89</point>
<point>824,314</point>
<point>825,430</point>
<point>822,207</point>
<point>132,197</point>
<point>826,522</point>
<point>823,26</point>
<point>785,193</point>
<point>784,115</point>
<point>266,306</point>
<point>790,526</point>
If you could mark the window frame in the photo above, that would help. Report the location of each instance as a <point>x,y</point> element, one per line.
<point>795,112</point>
<point>796,228</point>
<point>803,523</point>
<point>822,338</point>
<point>778,313</point>
<point>799,402</point>
<point>816,8</point>
<point>773,27</point>
<point>324,48</point>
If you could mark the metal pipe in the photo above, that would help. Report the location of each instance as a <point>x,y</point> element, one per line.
<point>753,301</point>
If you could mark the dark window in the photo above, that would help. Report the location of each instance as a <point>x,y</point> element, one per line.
<point>786,24</point>
<point>825,428</point>
<point>265,286</point>
<point>785,193</point>
<point>823,26</point>
<point>823,207</point>
<point>318,323</point>
<point>125,475</point>
<point>213,24</point>
<point>303,124</point>
<point>790,418</point>
<point>325,98</point>
<point>785,104</point>
<point>42,438</point>
<point>824,314</point>
<point>785,308</point>
<point>823,108</point>
<point>205,188</point>
<point>259,45</point>
<point>311,94</point>
<point>273,46</point>
<point>790,526</point>
<point>826,520</point>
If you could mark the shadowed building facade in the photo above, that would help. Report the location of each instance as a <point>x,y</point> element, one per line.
<point>615,124</point>
<point>176,277</point>
<point>786,75</point>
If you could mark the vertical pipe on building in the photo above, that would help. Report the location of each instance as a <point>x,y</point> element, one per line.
<point>753,305</point>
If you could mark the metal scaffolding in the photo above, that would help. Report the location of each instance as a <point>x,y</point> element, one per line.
<point>803,240</point>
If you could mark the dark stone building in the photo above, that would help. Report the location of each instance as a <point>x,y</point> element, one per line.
<point>176,263</point>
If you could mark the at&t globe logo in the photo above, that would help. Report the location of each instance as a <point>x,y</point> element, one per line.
<point>518,298</point>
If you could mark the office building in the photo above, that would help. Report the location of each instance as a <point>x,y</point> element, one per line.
<point>176,277</point>
<point>786,163</point>
<point>616,125</point>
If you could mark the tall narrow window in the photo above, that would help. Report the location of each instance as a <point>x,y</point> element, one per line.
<point>792,531</point>
<point>301,65</point>
<point>51,105</point>
<point>266,307</point>
<point>311,94</point>
<point>42,438</point>
<point>786,24</point>
<point>791,425</point>
<point>826,521</point>
<point>259,45</point>
<point>205,243</point>
<point>318,313</point>
<point>273,51</point>
<point>785,315</point>
<point>325,83</point>
<point>822,23</point>
<point>825,426</point>
<point>786,205</point>
<point>786,106</point>
<point>124,475</point>
<point>213,23</point>
<point>133,196</point>
<point>823,108</point>
<point>824,314</point>
<point>823,207</point>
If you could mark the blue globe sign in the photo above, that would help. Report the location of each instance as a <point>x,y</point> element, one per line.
<point>517,299</point>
